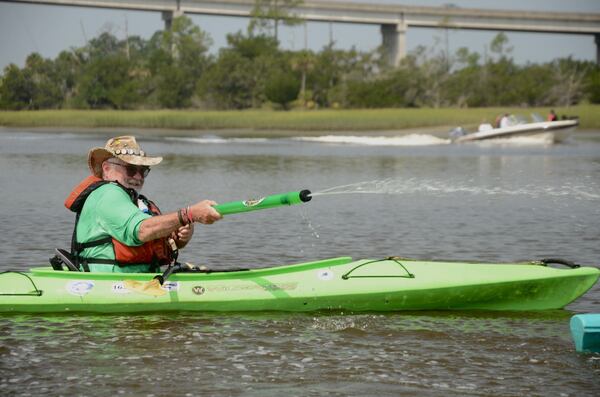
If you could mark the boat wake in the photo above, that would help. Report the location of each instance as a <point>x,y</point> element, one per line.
<point>405,140</point>
<point>215,140</point>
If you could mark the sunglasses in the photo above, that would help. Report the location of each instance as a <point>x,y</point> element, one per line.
<point>132,170</point>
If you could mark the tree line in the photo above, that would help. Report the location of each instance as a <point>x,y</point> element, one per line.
<point>174,69</point>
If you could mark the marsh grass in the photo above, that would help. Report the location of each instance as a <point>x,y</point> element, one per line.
<point>268,122</point>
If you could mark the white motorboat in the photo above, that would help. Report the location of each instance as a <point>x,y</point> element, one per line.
<point>548,131</point>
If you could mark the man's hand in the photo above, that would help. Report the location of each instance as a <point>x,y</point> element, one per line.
<point>183,235</point>
<point>204,212</point>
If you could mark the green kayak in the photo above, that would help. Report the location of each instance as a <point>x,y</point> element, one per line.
<point>390,284</point>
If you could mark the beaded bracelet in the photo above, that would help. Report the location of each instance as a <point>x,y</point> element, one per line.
<point>180,217</point>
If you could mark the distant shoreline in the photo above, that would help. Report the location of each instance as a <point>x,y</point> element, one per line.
<point>273,124</point>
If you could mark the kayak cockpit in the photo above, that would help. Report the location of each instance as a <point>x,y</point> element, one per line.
<point>48,271</point>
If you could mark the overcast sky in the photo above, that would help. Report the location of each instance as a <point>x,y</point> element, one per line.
<point>27,28</point>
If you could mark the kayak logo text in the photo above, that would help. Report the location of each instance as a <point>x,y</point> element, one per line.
<point>119,288</point>
<point>170,286</point>
<point>198,290</point>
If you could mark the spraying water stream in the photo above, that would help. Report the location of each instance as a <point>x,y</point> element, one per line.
<point>580,191</point>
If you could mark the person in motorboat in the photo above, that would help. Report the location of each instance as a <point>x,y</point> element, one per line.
<point>497,121</point>
<point>505,121</point>
<point>552,116</point>
<point>117,229</point>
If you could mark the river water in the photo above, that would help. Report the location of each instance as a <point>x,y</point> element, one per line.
<point>415,196</point>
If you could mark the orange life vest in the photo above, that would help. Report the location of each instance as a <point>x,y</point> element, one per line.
<point>156,252</point>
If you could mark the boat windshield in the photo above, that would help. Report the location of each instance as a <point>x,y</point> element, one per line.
<point>516,120</point>
<point>537,118</point>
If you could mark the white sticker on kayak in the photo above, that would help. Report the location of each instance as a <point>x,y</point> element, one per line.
<point>170,286</point>
<point>80,288</point>
<point>325,275</point>
<point>119,288</point>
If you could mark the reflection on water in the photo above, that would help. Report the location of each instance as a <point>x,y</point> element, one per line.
<point>477,202</point>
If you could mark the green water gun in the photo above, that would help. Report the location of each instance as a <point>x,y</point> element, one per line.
<point>275,200</point>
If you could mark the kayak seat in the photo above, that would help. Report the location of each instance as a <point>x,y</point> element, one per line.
<point>62,259</point>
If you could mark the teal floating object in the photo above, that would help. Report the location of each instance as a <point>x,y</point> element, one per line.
<point>585,330</point>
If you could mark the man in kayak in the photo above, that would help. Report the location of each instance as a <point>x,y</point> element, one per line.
<point>117,229</point>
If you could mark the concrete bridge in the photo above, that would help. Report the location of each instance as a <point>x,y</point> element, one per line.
<point>393,19</point>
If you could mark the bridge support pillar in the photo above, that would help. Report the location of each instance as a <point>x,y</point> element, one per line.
<point>394,42</point>
<point>168,17</point>
<point>597,49</point>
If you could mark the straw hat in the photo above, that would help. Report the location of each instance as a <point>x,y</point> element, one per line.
<point>122,147</point>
